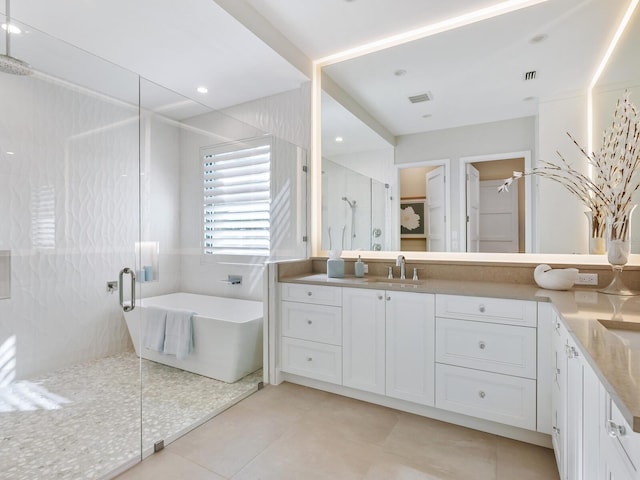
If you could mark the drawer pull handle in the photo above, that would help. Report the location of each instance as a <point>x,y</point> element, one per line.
<point>614,430</point>
<point>309,359</point>
<point>379,297</point>
<point>309,322</point>
<point>557,326</point>
<point>556,430</point>
<point>482,308</point>
<point>482,394</point>
<point>482,345</point>
<point>388,298</point>
<point>309,293</point>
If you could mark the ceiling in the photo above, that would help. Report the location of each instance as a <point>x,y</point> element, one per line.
<point>475,73</point>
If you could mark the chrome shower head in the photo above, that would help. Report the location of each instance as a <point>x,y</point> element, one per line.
<point>14,66</point>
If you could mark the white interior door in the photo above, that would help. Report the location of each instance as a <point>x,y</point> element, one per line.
<point>498,217</point>
<point>473,208</point>
<point>436,208</point>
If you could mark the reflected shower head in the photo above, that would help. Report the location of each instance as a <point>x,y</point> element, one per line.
<point>14,66</point>
<point>352,204</point>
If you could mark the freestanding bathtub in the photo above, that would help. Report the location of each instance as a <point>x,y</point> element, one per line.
<point>227,334</point>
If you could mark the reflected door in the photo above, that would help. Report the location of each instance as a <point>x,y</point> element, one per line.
<point>436,208</point>
<point>473,208</point>
<point>498,217</point>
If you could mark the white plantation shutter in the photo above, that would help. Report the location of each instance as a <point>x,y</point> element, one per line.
<point>237,197</point>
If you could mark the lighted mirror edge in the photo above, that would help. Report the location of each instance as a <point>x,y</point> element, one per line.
<point>479,257</point>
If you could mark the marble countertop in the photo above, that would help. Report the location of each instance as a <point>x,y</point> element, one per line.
<point>613,354</point>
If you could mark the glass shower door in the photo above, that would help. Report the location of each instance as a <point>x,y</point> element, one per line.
<point>69,204</point>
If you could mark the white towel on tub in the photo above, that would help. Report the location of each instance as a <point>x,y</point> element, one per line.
<point>178,334</point>
<point>154,328</point>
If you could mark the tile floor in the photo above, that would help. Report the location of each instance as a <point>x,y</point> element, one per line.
<point>81,422</point>
<point>293,432</point>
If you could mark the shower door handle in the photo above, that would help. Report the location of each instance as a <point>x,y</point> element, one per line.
<point>123,272</point>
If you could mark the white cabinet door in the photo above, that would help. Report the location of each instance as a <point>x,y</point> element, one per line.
<point>591,413</point>
<point>410,347</point>
<point>558,396</point>
<point>363,339</point>
<point>573,413</point>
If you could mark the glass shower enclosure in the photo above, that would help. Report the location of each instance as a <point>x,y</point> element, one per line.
<point>101,206</point>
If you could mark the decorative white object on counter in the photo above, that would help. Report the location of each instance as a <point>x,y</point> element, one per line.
<point>555,279</point>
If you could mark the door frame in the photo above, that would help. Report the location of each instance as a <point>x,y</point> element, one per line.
<point>395,201</point>
<point>528,191</point>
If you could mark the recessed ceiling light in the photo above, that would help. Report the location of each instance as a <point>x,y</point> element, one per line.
<point>400,73</point>
<point>339,139</point>
<point>528,99</point>
<point>538,38</point>
<point>202,89</point>
<point>10,153</point>
<point>427,115</point>
<point>12,28</point>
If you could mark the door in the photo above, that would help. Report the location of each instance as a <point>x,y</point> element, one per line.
<point>498,217</point>
<point>410,328</point>
<point>71,193</point>
<point>436,210</point>
<point>473,208</point>
<point>363,339</point>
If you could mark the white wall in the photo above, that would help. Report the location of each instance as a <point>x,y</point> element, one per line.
<point>483,139</point>
<point>565,229</point>
<point>287,117</point>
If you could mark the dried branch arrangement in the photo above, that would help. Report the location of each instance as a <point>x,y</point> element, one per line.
<point>615,168</point>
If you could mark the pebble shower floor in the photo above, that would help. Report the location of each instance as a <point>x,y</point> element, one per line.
<point>83,422</point>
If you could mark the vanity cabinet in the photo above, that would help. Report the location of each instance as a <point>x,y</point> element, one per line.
<point>388,343</point>
<point>474,356</point>
<point>311,329</point>
<point>486,358</point>
<point>591,439</point>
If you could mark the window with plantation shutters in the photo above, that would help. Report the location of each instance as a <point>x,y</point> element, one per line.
<point>237,198</point>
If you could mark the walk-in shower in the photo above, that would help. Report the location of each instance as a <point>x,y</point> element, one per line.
<point>102,169</point>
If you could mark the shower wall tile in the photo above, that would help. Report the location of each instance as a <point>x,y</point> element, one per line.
<point>72,201</point>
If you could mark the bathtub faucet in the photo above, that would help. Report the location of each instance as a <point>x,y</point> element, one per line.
<point>233,280</point>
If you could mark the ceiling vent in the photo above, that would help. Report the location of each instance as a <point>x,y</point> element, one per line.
<point>530,75</point>
<point>423,97</point>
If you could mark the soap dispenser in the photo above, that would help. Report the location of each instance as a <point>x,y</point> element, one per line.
<point>358,267</point>
<point>335,265</point>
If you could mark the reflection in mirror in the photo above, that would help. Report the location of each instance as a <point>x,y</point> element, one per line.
<point>622,73</point>
<point>465,93</point>
<point>356,198</point>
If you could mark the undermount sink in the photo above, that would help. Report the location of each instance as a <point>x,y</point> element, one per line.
<point>628,332</point>
<point>396,281</point>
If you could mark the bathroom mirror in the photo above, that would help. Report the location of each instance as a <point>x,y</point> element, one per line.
<point>478,91</point>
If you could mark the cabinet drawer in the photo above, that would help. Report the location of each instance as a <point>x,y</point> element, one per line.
<point>621,436</point>
<point>318,323</point>
<point>491,396</point>
<point>496,310</point>
<point>487,346</point>
<point>311,359</point>
<point>319,294</point>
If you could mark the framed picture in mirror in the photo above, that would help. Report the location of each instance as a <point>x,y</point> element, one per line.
<point>412,218</point>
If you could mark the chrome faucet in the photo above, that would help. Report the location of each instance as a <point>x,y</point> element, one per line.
<point>400,262</point>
